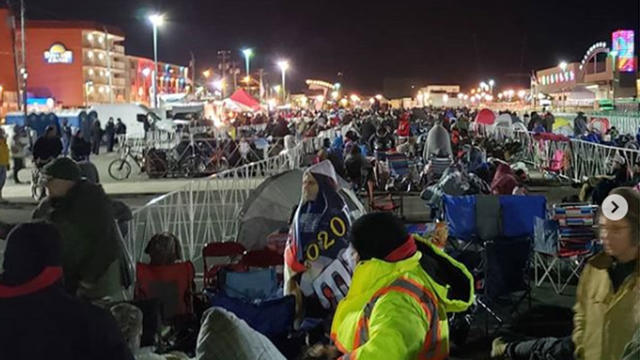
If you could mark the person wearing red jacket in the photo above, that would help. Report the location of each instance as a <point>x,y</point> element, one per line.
<point>404,130</point>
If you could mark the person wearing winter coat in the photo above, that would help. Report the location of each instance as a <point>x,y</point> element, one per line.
<point>580,125</point>
<point>47,147</point>
<point>92,252</point>
<point>399,298</point>
<point>4,161</point>
<point>110,132</point>
<point>606,296</point>
<point>96,137</point>
<point>19,150</point>
<point>66,137</point>
<point>38,318</point>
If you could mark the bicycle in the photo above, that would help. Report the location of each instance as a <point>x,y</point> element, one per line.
<point>120,169</point>
<point>38,191</point>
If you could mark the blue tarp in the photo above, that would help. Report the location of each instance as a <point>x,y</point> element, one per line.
<point>519,214</point>
<point>460,214</point>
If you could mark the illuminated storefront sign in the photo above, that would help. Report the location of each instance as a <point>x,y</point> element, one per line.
<point>559,77</point>
<point>622,41</point>
<point>58,54</point>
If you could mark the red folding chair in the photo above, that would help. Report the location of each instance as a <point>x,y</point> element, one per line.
<point>173,285</point>
<point>225,254</point>
<point>266,258</point>
<point>262,258</point>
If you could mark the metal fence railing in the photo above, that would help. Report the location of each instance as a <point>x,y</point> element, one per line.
<point>208,210</point>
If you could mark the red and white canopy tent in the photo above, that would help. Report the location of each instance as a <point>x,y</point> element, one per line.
<point>240,100</point>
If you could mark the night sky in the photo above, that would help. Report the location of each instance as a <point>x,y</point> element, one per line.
<point>459,42</point>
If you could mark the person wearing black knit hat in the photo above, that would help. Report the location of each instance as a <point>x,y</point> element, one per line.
<point>38,319</point>
<point>92,252</point>
<point>400,294</point>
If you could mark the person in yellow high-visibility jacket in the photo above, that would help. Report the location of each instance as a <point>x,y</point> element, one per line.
<point>401,292</point>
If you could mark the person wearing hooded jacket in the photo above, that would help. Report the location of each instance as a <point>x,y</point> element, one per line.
<point>92,252</point>
<point>38,318</point>
<point>398,301</point>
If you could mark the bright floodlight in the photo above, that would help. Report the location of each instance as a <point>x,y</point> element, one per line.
<point>491,82</point>
<point>247,52</point>
<point>283,65</point>
<point>563,65</point>
<point>156,19</point>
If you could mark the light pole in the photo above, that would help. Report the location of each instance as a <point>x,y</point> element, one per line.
<point>491,84</point>
<point>156,21</point>
<point>563,67</point>
<point>247,55</point>
<point>283,65</point>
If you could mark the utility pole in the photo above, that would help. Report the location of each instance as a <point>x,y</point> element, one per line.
<point>23,70</point>
<point>224,55</point>
<point>192,64</point>
<point>261,72</point>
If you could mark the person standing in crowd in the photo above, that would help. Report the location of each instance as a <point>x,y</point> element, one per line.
<point>47,147</point>
<point>395,309</point>
<point>110,131</point>
<point>606,296</point>
<point>580,125</point>
<point>96,137</point>
<point>4,161</point>
<point>19,149</point>
<point>549,120</point>
<point>92,252</point>
<point>80,148</point>
<point>66,137</point>
<point>38,318</point>
<point>121,128</point>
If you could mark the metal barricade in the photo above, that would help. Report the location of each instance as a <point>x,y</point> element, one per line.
<point>208,210</point>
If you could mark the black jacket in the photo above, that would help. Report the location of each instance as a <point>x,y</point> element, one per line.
<point>50,324</point>
<point>46,148</point>
<point>90,241</point>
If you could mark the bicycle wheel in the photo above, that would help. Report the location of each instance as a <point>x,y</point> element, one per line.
<point>119,169</point>
<point>38,192</point>
<point>221,164</point>
<point>192,166</point>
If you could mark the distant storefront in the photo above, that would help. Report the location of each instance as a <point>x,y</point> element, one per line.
<point>605,73</point>
<point>76,63</point>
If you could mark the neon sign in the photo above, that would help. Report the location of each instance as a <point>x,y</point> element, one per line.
<point>623,46</point>
<point>58,54</point>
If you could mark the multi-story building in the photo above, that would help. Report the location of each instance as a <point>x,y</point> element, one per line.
<point>78,63</point>
<point>172,78</point>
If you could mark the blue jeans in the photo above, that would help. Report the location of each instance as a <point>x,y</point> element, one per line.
<point>548,348</point>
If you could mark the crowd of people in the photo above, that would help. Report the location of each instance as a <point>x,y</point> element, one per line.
<point>389,296</point>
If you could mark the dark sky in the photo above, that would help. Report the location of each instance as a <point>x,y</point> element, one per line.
<point>430,41</point>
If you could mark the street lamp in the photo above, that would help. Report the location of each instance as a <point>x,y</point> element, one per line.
<point>156,21</point>
<point>247,55</point>
<point>563,65</point>
<point>284,66</point>
<point>491,84</point>
<point>206,73</point>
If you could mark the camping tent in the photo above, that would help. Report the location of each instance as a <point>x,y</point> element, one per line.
<point>270,205</point>
<point>243,99</point>
<point>485,117</point>
<point>501,125</point>
<point>438,143</point>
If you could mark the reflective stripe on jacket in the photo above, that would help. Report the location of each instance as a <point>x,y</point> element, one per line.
<point>396,310</point>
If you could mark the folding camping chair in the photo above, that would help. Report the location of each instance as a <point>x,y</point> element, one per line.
<point>505,264</point>
<point>565,242</point>
<point>173,285</point>
<point>436,168</point>
<point>225,254</point>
